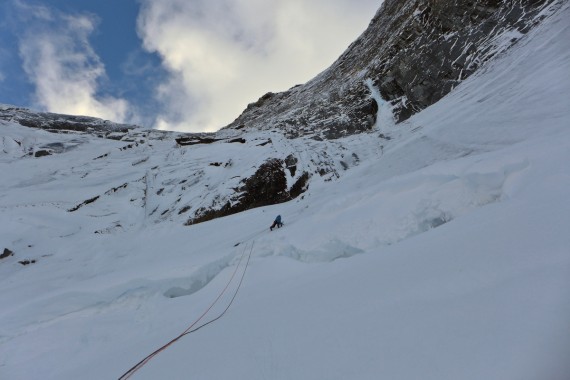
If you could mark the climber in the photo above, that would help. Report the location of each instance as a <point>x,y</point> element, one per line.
<point>276,223</point>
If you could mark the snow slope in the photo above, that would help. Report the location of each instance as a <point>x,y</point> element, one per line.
<point>443,254</point>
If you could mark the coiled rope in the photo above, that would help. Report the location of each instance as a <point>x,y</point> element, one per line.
<point>191,328</point>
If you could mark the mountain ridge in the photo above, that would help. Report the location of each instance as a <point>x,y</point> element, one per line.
<point>413,52</point>
<point>304,133</point>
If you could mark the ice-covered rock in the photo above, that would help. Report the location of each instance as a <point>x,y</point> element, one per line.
<point>414,52</point>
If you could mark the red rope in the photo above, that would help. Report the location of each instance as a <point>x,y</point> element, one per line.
<point>189,330</point>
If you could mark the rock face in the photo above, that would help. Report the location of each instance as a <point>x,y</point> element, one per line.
<point>267,186</point>
<point>414,52</point>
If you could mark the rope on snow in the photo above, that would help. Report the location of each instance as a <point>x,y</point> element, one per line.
<point>191,328</point>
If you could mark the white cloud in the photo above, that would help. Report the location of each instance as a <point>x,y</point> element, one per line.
<point>60,62</point>
<point>225,54</point>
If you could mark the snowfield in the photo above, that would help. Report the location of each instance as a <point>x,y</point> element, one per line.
<point>442,253</point>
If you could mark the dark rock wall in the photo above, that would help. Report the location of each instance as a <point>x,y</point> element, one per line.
<point>267,186</point>
<point>414,52</point>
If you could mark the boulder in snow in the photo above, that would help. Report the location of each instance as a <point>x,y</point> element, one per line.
<point>6,253</point>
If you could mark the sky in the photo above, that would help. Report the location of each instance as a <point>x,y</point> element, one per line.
<point>185,65</point>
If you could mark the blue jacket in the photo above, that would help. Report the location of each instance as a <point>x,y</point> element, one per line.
<point>278,219</point>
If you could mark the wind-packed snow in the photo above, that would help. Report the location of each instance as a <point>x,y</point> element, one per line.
<point>442,253</point>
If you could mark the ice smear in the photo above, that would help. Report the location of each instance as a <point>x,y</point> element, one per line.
<point>384,117</point>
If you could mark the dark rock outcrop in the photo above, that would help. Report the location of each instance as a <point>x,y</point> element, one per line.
<point>195,139</point>
<point>84,203</point>
<point>267,186</point>
<point>300,186</point>
<point>7,253</point>
<point>27,262</point>
<point>42,153</point>
<point>414,52</point>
